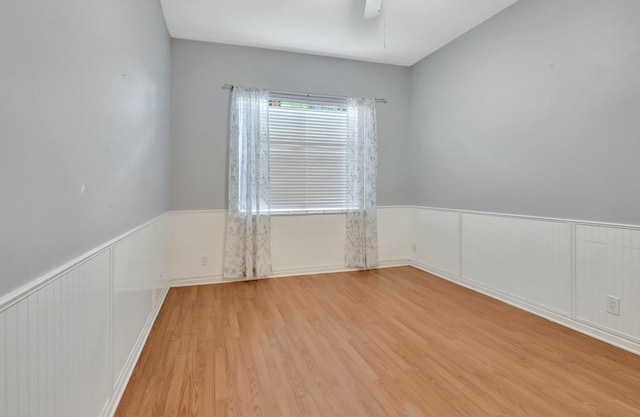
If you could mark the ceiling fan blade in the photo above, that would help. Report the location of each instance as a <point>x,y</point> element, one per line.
<point>372,8</point>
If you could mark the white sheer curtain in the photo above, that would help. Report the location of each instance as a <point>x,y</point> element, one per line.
<point>248,237</point>
<point>361,247</point>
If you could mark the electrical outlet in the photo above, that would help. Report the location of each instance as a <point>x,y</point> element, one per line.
<point>613,305</point>
<point>413,247</point>
<point>204,261</point>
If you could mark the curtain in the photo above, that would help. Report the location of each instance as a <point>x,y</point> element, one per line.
<point>361,246</point>
<point>248,237</point>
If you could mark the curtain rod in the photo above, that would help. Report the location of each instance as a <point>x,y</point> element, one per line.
<point>294,93</point>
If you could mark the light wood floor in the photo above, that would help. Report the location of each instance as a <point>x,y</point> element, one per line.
<point>394,341</point>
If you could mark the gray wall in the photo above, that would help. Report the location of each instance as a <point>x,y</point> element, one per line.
<point>536,111</point>
<point>84,100</point>
<point>199,111</point>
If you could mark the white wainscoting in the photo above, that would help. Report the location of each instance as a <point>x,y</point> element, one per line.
<point>56,346</point>
<point>560,269</point>
<point>139,286</point>
<point>192,235</point>
<point>300,244</point>
<point>608,263</point>
<point>436,236</point>
<point>71,338</point>
<point>525,258</point>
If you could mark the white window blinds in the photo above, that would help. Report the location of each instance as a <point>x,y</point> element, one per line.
<point>307,154</point>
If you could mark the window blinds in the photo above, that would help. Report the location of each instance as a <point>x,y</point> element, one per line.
<point>307,154</point>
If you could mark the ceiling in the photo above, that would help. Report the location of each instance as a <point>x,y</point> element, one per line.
<point>405,32</point>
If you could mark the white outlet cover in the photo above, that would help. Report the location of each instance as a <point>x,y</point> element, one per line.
<point>613,305</point>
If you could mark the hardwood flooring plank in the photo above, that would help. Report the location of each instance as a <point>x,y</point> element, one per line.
<point>394,341</point>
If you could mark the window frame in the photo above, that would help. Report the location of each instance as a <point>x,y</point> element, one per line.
<point>311,100</point>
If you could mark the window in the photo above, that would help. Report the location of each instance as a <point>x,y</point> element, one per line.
<point>307,154</point>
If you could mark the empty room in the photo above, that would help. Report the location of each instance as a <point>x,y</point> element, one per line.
<point>319,208</point>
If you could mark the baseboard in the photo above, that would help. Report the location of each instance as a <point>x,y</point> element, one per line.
<point>579,326</point>
<point>327,269</point>
<point>196,280</point>
<point>290,272</point>
<point>449,276</point>
<point>123,379</point>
